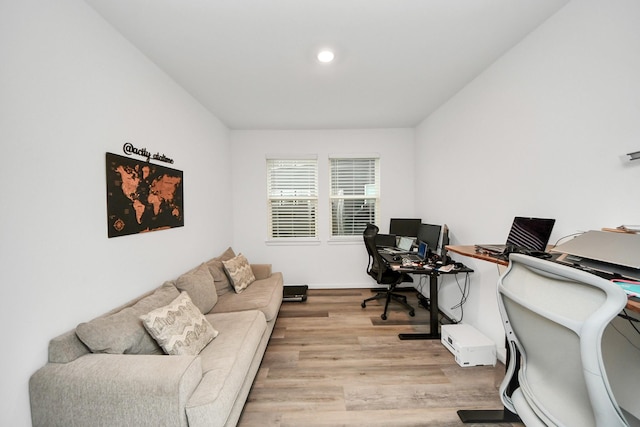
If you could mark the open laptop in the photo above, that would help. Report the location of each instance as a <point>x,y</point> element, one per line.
<point>421,256</point>
<point>402,246</point>
<point>405,243</point>
<point>526,235</point>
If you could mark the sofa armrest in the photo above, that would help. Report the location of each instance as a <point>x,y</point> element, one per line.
<point>261,271</point>
<point>114,389</point>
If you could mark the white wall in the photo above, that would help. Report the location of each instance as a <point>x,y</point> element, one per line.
<point>71,89</point>
<point>326,264</point>
<point>542,132</point>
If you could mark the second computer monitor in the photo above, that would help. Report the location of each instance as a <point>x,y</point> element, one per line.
<point>429,234</point>
<point>445,242</point>
<point>404,226</point>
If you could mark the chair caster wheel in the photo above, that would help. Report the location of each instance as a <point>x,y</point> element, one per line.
<point>383,316</point>
<point>412,313</point>
<point>363,305</point>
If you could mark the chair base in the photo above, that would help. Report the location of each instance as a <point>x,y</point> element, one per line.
<point>487,416</point>
<point>388,296</point>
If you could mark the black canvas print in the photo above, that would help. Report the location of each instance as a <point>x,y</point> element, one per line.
<point>142,196</point>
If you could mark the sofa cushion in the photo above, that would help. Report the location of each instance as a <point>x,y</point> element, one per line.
<point>226,363</point>
<point>217,271</point>
<point>261,271</point>
<point>239,272</point>
<point>199,284</point>
<point>123,331</point>
<point>179,327</point>
<point>264,295</point>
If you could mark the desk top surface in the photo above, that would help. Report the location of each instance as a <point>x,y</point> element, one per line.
<point>423,269</point>
<point>470,251</point>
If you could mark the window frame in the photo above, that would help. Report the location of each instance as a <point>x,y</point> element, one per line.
<point>374,197</point>
<point>309,197</point>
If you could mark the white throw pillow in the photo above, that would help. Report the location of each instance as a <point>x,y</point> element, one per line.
<point>179,328</point>
<point>240,272</point>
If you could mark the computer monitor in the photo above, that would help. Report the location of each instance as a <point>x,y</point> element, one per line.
<point>407,227</point>
<point>386,240</point>
<point>445,242</point>
<point>429,234</point>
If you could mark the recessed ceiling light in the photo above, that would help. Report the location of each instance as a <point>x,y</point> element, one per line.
<point>325,56</point>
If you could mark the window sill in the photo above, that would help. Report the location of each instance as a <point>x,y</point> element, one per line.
<point>293,241</point>
<point>346,240</point>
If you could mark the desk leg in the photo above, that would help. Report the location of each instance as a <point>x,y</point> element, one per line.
<point>495,416</point>
<point>434,330</point>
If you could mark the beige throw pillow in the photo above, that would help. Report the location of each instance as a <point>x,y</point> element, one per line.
<point>240,273</point>
<point>179,328</point>
<point>217,271</point>
<point>123,332</point>
<point>199,284</point>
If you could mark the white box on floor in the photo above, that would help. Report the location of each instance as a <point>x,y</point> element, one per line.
<point>468,345</point>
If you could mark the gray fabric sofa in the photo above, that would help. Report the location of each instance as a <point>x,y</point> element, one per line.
<point>110,371</point>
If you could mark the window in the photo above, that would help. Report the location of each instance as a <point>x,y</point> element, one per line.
<point>355,194</point>
<point>292,191</point>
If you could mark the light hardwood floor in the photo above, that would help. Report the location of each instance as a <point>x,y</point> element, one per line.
<point>332,363</point>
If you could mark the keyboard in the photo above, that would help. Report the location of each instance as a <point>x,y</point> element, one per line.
<point>392,251</point>
<point>412,258</point>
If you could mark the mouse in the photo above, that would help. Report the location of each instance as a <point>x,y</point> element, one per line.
<point>397,257</point>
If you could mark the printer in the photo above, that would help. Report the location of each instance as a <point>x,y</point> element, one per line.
<point>468,345</point>
<point>604,252</point>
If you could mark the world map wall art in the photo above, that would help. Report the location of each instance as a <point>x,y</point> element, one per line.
<point>142,196</point>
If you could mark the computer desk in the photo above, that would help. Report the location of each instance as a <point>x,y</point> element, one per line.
<point>433,273</point>
<point>470,251</point>
<point>498,415</point>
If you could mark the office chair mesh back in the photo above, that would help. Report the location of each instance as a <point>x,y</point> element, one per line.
<point>374,267</point>
<point>555,316</point>
<point>383,275</point>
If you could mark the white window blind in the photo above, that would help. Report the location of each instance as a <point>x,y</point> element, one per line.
<point>292,189</point>
<point>355,194</point>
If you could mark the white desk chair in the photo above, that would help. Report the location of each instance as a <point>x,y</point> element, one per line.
<point>555,316</point>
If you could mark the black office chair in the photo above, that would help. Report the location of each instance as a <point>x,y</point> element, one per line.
<point>379,269</point>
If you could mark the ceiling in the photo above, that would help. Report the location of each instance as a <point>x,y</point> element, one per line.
<point>253,63</point>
